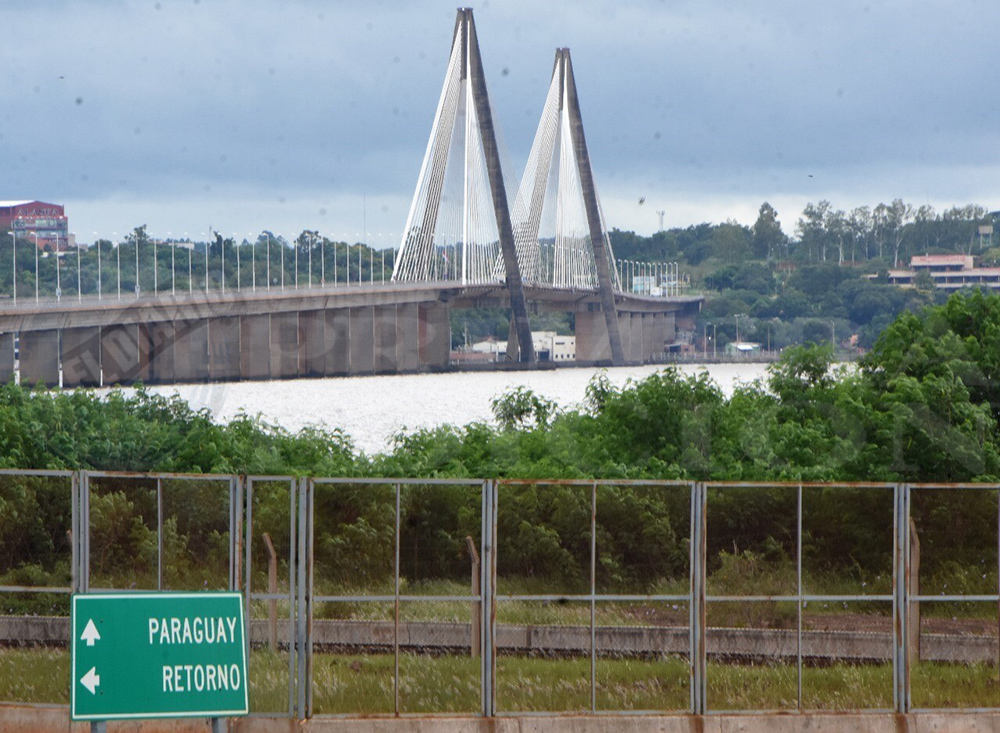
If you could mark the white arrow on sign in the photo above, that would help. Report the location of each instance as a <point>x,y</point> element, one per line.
<point>90,634</point>
<point>91,680</point>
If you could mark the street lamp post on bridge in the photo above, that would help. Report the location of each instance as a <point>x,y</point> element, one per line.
<point>13,271</point>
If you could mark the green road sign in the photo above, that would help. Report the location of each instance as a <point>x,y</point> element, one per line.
<point>157,655</point>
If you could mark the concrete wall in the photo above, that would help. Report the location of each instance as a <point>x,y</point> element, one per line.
<point>628,641</point>
<point>29,719</point>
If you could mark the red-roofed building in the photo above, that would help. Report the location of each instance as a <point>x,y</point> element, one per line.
<point>37,221</point>
<point>949,272</point>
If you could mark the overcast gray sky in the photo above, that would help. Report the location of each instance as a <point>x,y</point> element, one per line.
<point>294,114</point>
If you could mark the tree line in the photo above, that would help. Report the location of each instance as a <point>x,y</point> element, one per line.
<point>885,235</point>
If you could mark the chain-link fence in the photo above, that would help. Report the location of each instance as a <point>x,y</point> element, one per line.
<point>512,597</point>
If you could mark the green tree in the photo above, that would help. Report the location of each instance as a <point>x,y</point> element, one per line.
<point>768,239</point>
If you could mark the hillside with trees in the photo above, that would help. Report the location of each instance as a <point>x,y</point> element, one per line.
<point>825,279</point>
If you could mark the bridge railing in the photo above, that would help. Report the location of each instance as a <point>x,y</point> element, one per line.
<point>509,597</point>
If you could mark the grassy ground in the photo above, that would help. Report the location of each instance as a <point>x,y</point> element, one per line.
<point>363,684</point>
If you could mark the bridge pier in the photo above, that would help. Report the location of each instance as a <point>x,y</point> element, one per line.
<point>191,351</point>
<point>255,347</point>
<point>120,354</point>
<point>385,339</point>
<point>407,337</point>
<point>224,348</point>
<point>40,357</point>
<point>592,336</point>
<point>81,357</point>
<point>284,351</point>
<point>338,342</point>
<point>434,334</point>
<point>362,340</point>
<point>6,357</point>
<point>312,344</point>
<point>156,352</point>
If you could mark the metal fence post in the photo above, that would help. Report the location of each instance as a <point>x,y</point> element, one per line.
<point>238,548</point>
<point>247,538</point>
<point>485,547</point>
<point>697,616</point>
<point>159,534</point>
<point>489,580</point>
<point>309,578</point>
<point>302,610</point>
<point>84,541</point>
<point>901,599</point>
<point>74,544</point>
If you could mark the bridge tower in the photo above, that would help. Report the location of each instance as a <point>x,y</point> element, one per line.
<point>463,153</point>
<point>580,254</point>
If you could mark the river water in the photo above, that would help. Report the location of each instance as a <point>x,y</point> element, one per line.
<point>371,410</point>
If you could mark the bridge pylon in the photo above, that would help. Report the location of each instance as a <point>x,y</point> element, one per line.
<point>459,225</point>
<point>558,184</point>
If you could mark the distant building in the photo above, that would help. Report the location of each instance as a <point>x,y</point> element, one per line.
<point>742,348</point>
<point>36,221</point>
<point>949,272</point>
<point>549,346</point>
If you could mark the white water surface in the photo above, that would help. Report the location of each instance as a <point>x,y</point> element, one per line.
<point>371,410</point>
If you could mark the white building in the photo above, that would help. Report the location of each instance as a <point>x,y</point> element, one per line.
<point>549,346</point>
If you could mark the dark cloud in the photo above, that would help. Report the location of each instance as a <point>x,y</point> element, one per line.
<point>694,105</point>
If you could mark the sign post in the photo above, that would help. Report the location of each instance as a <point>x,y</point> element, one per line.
<point>158,655</point>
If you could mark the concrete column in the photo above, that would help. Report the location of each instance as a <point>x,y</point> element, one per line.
<point>120,354</point>
<point>435,336</point>
<point>191,350</point>
<point>81,357</point>
<point>407,337</point>
<point>6,356</point>
<point>338,342</point>
<point>669,327</point>
<point>649,346</point>
<point>156,352</point>
<point>224,348</point>
<point>625,327</point>
<point>255,347</point>
<point>363,340</point>
<point>312,343</point>
<point>636,338</point>
<point>660,331</point>
<point>39,355</point>
<point>592,336</point>
<point>385,339</point>
<point>284,345</point>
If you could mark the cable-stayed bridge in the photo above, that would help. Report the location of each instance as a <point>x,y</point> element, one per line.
<point>473,238</point>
